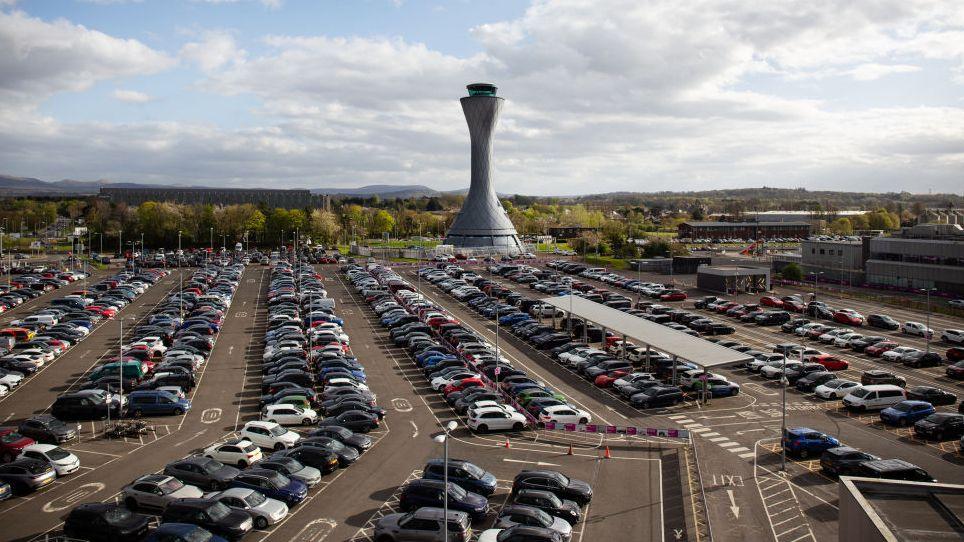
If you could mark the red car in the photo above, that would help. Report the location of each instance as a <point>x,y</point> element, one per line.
<point>849,317</point>
<point>831,362</point>
<point>877,350</point>
<point>955,353</point>
<point>464,384</point>
<point>605,380</point>
<point>794,305</point>
<point>770,301</point>
<point>12,443</point>
<point>955,370</point>
<point>673,295</point>
<point>726,307</point>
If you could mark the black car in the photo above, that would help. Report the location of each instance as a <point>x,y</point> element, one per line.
<point>355,420</point>
<point>893,469</point>
<point>793,324</point>
<point>861,344</point>
<point>47,429</point>
<point>549,503</point>
<point>312,456</point>
<point>810,381</point>
<point>344,436</point>
<point>105,522</point>
<point>202,471</point>
<point>657,396</point>
<point>844,460</point>
<point>346,454</point>
<point>877,376</point>
<point>82,406</point>
<point>882,321</point>
<point>940,426</point>
<point>347,406</point>
<point>211,514</point>
<point>924,359</point>
<point>932,395</point>
<point>555,482</point>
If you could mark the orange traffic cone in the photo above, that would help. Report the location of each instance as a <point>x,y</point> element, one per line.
<point>607,455</point>
<point>570,450</point>
<point>507,445</point>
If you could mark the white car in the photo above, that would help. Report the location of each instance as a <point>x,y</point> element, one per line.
<point>439,382</point>
<point>488,403</point>
<point>154,344</point>
<point>61,460</point>
<point>11,380</point>
<point>895,354</point>
<point>346,383</point>
<point>289,415</point>
<point>564,414</point>
<point>775,370</point>
<point>763,360</point>
<point>264,511</point>
<point>843,340</point>
<point>44,354</point>
<point>240,452</point>
<point>956,303</point>
<point>495,418</point>
<point>835,389</point>
<point>269,435</point>
<point>688,378</point>
<point>954,336</point>
<point>917,328</point>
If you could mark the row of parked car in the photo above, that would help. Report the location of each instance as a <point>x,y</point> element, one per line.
<point>478,383</point>
<point>30,453</point>
<point>34,283</point>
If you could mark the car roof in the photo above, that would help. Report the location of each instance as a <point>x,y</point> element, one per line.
<point>261,423</point>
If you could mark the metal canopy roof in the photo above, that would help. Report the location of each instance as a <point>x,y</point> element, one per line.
<point>675,343</point>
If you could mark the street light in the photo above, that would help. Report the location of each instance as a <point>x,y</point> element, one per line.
<point>443,438</point>
<point>815,275</point>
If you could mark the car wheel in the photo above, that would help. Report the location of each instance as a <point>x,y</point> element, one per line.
<point>306,421</point>
<point>178,411</point>
<point>804,454</point>
<point>583,421</point>
<point>242,464</point>
<point>7,457</point>
<point>260,522</point>
<point>483,428</point>
<point>279,446</point>
<point>216,486</point>
<point>130,503</point>
<point>902,422</point>
<point>138,413</point>
<point>517,426</point>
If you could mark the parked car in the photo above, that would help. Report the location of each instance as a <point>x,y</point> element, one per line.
<point>941,426</point>
<point>156,491</point>
<point>874,397</point>
<point>262,510</point>
<point>202,472</point>
<point>804,442</point>
<point>463,473</point>
<point>61,460</point>
<point>555,482</point>
<point>423,524</point>
<point>272,484</point>
<point>893,469</point>
<point>835,389</point>
<point>844,460</point>
<point>906,413</point>
<point>105,522</point>
<point>549,503</point>
<point>211,514</point>
<point>932,395</point>
<point>422,492</point>
<point>882,321</point>
<point>917,328</point>
<point>240,452</point>
<point>25,474</point>
<point>182,532</point>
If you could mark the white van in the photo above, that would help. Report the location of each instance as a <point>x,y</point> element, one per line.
<point>46,320</point>
<point>874,397</point>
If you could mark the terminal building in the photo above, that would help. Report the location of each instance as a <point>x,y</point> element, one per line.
<point>743,230</point>
<point>289,199</point>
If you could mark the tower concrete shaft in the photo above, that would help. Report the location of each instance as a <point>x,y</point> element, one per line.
<point>482,222</point>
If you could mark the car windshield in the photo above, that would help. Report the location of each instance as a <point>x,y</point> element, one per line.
<point>277,479</point>
<point>902,407</point>
<point>473,470</point>
<point>171,485</point>
<point>11,437</point>
<point>197,535</point>
<point>218,511</point>
<point>247,448</point>
<point>255,498</point>
<point>211,467</point>
<point>560,478</point>
<point>293,465</point>
<point>457,492</point>
<point>117,515</point>
<point>58,453</point>
<point>861,393</point>
<point>277,431</point>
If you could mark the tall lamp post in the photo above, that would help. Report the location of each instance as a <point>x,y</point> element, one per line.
<point>815,275</point>
<point>443,439</point>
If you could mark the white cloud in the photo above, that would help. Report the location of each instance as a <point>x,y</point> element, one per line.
<point>614,95</point>
<point>40,58</point>
<point>216,49</point>
<point>272,4</point>
<point>131,96</point>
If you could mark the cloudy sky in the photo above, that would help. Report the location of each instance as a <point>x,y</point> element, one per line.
<point>601,96</point>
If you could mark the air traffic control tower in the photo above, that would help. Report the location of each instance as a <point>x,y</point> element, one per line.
<point>482,223</point>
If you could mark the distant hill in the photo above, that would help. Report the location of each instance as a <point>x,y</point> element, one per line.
<point>29,186</point>
<point>381,190</point>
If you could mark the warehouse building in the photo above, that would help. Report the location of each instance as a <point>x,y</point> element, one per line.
<point>922,256</point>
<point>289,199</point>
<point>837,260</point>
<point>733,279</point>
<point>743,230</point>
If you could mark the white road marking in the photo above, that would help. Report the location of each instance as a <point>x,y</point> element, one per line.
<point>539,463</point>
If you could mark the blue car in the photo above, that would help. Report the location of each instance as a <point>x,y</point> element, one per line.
<point>435,360</point>
<point>423,492</point>
<point>156,402</point>
<point>273,484</point>
<point>906,413</point>
<point>509,319</point>
<point>430,355</point>
<point>463,473</point>
<point>359,374</point>
<point>804,442</point>
<point>181,532</point>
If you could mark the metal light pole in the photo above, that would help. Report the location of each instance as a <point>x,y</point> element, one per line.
<point>443,438</point>
<point>120,245</point>
<point>180,280</point>
<point>211,235</point>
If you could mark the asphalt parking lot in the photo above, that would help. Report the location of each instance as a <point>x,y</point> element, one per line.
<point>649,489</point>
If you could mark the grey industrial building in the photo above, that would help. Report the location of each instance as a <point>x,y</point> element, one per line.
<point>918,257</point>
<point>732,279</point>
<point>877,510</point>
<point>482,223</point>
<point>289,199</point>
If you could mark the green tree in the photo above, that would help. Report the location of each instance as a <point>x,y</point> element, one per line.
<point>841,226</point>
<point>792,271</point>
<point>382,222</point>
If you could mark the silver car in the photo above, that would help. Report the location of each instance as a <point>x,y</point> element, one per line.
<point>27,474</point>
<point>518,514</point>
<point>263,511</point>
<point>156,491</point>
<point>423,524</point>
<point>292,468</point>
